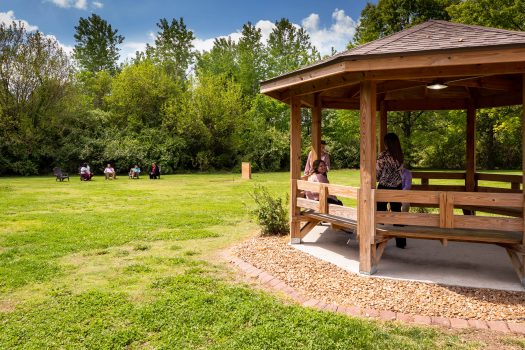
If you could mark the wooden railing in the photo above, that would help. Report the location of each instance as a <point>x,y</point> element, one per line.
<point>425,177</point>
<point>514,181</point>
<point>446,201</point>
<point>421,181</point>
<point>324,191</point>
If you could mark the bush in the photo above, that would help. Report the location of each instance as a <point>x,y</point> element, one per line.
<point>270,213</point>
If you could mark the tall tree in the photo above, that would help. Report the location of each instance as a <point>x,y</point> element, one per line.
<point>506,14</point>
<point>222,59</point>
<point>251,59</point>
<point>138,95</point>
<point>289,48</point>
<point>97,43</point>
<point>34,84</point>
<point>173,47</point>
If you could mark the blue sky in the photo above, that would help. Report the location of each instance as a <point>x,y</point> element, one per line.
<point>330,23</point>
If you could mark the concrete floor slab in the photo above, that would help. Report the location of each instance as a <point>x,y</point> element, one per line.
<point>458,264</point>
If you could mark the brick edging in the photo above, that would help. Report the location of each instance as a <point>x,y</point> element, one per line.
<point>265,278</point>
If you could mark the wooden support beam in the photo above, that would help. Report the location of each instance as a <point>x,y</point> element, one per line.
<point>323,199</point>
<point>470,179</point>
<point>383,125</point>
<point>316,129</point>
<point>295,168</point>
<point>522,260</point>
<point>308,227</point>
<point>366,218</point>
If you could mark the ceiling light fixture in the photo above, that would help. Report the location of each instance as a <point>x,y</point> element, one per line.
<point>436,86</point>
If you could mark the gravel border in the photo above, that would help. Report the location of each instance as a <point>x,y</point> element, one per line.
<point>321,280</point>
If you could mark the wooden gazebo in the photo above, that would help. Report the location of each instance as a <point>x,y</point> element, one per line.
<point>477,67</point>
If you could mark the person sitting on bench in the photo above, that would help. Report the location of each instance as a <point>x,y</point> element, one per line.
<point>134,172</point>
<point>155,171</point>
<point>109,173</point>
<point>85,172</point>
<point>319,175</point>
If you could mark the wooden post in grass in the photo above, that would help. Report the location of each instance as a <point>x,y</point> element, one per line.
<point>246,171</point>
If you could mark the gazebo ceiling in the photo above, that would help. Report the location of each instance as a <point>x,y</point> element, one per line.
<point>479,64</point>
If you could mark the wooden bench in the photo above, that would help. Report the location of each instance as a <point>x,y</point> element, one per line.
<point>507,232</point>
<point>315,212</point>
<point>313,219</point>
<point>446,234</point>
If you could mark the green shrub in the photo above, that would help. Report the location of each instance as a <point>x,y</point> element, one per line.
<point>270,213</point>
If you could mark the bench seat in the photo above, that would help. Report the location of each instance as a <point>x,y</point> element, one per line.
<point>335,220</point>
<point>462,235</point>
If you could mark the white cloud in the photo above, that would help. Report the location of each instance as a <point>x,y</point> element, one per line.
<point>61,3</point>
<point>338,35</point>
<point>8,18</point>
<point>266,28</point>
<point>78,4</point>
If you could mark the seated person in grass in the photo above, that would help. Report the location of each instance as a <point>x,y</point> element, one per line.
<point>319,175</point>
<point>85,172</point>
<point>134,172</point>
<point>109,172</point>
<point>155,171</point>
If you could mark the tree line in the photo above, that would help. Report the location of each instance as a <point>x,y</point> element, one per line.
<point>188,110</point>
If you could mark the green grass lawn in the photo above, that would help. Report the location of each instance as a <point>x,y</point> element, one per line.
<point>133,264</point>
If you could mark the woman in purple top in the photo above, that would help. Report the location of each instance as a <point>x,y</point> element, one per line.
<point>389,167</point>
<point>319,175</point>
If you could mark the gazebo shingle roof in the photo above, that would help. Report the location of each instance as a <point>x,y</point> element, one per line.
<point>433,35</point>
<point>439,35</point>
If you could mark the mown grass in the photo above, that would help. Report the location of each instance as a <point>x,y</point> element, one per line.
<point>134,264</point>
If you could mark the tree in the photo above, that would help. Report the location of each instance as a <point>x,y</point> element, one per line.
<point>289,48</point>
<point>139,94</point>
<point>222,59</point>
<point>96,46</point>
<point>35,86</point>
<point>251,59</point>
<point>505,14</point>
<point>173,48</point>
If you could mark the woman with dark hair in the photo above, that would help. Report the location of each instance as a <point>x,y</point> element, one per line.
<point>389,168</point>
<point>319,175</point>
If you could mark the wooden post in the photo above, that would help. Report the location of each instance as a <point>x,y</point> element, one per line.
<point>470,180</point>
<point>295,168</point>
<point>523,163</point>
<point>316,129</point>
<point>366,217</point>
<point>246,171</point>
<point>323,199</point>
<point>383,125</point>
